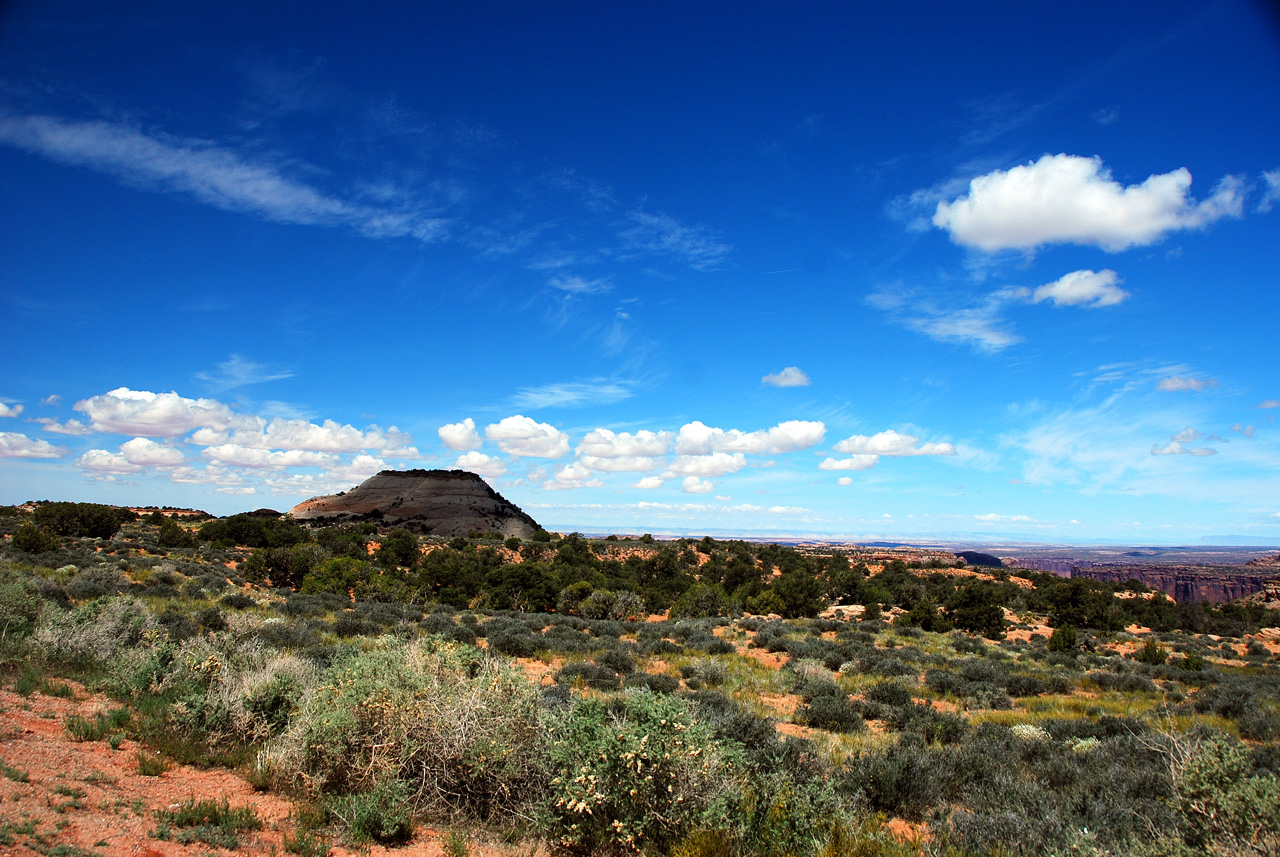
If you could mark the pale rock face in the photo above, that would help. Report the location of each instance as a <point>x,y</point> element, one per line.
<point>432,502</point>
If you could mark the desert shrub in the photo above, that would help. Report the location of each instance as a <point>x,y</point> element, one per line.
<point>351,624</point>
<point>212,822</point>
<point>642,775</point>
<point>292,635</point>
<point>1026,685</point>
<point>876,663</point>
<point>95,632</point>
<point>617,660</point>
<point>1063,639</point>
<point>592,675</point>
<point>892,693</point>
<point>177,625</point>
<point>254,531</point>
<point>562,638</point>
<point>96,582</point>
<point>834,713</point>
<point>89,520</point>
<point>20,607</point>
<point>1258,724</point>
<point>382,814</point>
<point>700,600</point>
<point>1228,699</point>
<point>660,647</point>
<point>1151,653</point>
<point>710,673</point>
<point>461,731</point>
<point>515,642</point>
<point>173,536</point>
<point>1223,804</point>
<point>1122,682</point>
<point>656,682</point>
<point>901,779</point>
<point>35,539</point>
<point>238,601</point>
<point>934,726</point>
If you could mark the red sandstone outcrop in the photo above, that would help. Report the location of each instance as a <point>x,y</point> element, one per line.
<point>1188,583</point>
<point>432,502</point>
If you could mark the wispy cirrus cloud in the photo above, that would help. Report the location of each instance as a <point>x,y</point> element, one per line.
<point>663,235</point>
<point>576,285</point>
<point>571,395</point>
<point>979,325</point>
<point>214,174</point>
<point>1180,384</point>
<point>981,321</point>
<point>238,371</point>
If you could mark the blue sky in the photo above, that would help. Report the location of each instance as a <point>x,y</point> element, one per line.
<point>924,270</point>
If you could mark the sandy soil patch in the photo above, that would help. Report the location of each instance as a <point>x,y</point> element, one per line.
<point>85,794</point>
<point>784,704</point>
<point>539,672</point>
<point>795,730</point>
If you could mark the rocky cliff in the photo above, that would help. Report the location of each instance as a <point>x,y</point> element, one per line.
<point>431,502</point>
<point>1187,583</point>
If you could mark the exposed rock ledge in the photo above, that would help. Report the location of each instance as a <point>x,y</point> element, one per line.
<point>432,502</point>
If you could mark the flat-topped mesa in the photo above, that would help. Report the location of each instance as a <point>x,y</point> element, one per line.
<point>431,502</point>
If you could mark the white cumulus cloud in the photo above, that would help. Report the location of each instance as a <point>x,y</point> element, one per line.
<point>139,412</point>
<point>235,455</point>
<point>524,437</point>
<point>845,480</point>
<point>574,475</point>
<point>461,435</point>
<point>1082,288</point>
<point>791,376</point>
<point>891,443</point>
<point>17,445</point>
<point>481,464</point>
<point>148,453</point>
<point>710,464</point>
<point>694,485</point>
<point>71,427</point>
<point>10,410</point>
<point>1176,448</point>
<point>695,438</point>
<point>649,482</point>
<point>603,443</point>
<point>853,462</point>
<point>1187,435</point>
<point>1068,199</point>
<point>108,463</point>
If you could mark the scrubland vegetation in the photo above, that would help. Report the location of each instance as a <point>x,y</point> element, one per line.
<point>537,701</point>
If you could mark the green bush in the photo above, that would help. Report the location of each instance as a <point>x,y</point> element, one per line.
<point>1063,639</point>
<point>642,774</point>
<point>382,814</point>
<point>32,538</point>
<point>20,607</point>
<point>89,520</point>
<point>1223,805</point>
<point>212,822</point>
<point>1152,653</point>
<point>462,731</point>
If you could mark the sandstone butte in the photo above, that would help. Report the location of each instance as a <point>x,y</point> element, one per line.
<point>431,502</point>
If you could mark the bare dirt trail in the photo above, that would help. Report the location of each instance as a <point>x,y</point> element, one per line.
<point>73,798</point>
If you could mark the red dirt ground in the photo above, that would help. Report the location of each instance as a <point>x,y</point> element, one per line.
<point>87,795</point>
